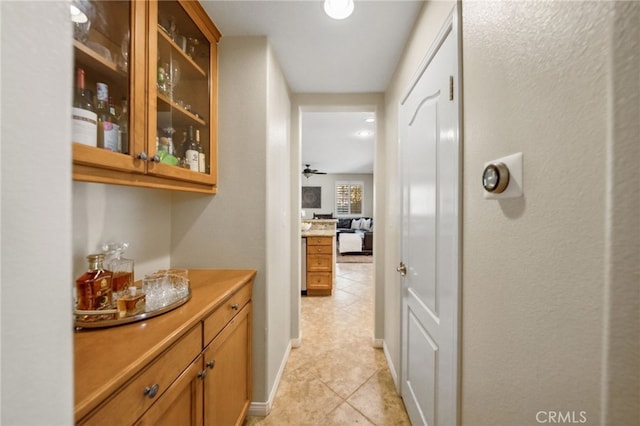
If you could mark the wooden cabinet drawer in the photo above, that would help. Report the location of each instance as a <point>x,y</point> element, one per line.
<point>319,241</point>
<point>320,263</point>
<point>215,322</point>
<point>319,280</point>
<point>319,249</point>
<point>127,405</point>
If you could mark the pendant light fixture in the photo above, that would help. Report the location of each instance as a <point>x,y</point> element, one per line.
<point>338,9</point>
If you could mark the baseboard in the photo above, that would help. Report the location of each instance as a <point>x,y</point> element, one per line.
<point>262,409</point>
<point>296,343</point>
<point>392,370</point>
<point>378,343</point>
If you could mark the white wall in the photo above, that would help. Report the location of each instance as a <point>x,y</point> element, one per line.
<point>549,326</point>
<point>139,216</point>
<point>36,357</point>
<point>278,223</point>
<point>621,378</point>
<point>240,227</point>
<point>535,81</point>
<point>328,198</point>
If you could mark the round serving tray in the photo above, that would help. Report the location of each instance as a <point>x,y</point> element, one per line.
<point>79,324</point>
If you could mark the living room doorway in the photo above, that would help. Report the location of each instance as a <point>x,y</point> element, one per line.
<point>337,152</point>
<point>335,137</point>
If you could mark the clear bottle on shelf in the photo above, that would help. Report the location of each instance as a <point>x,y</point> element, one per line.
<point>83,113</point>
<point>123,123</point>
<point>191,152</point>
<point>121,268</point>
<point>116,126</point>
<point>107,134</point>
<point>202,157</point>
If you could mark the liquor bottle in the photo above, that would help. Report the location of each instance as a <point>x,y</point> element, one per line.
<point>107,136</point>
<point>202,158</point>
<point>123,122</point>
<point>120,267</point>
<point>191,153</point>
<point>93,288</point>
<point>116,126</point>
<point>83,114</point>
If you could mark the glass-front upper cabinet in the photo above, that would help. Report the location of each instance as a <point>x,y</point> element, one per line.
<point>144,107</point>
<point>106,108</point>
<point>183,84</point>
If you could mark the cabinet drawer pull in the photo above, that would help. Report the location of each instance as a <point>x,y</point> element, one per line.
<point>202,374</point>
<point>143,156</point>
<point>211,364</point>
<point>151,391</point>
<point>235,306</point>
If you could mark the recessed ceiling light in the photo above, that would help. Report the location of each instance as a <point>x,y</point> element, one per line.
<point>338,9</point>
<point>364,133</point>
<point>370,120</point>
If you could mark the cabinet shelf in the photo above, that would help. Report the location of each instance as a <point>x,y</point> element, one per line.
<point>185,117</point>
<point>187,71</point>
<point>97,63</point>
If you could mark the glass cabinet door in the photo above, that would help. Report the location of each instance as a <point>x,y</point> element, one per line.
<point>181,135</point>
<point>103,100</point>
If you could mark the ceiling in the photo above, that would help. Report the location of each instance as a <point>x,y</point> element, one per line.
<point>322,55</point>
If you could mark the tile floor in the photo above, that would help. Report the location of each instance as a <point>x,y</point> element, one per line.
<point>336,377</point>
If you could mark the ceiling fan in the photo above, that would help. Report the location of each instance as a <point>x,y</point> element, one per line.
<point>307,172</point>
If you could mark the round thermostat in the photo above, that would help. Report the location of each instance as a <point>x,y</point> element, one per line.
<point>495,178</point>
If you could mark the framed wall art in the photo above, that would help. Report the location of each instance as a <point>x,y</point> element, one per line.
<point>311,197</point>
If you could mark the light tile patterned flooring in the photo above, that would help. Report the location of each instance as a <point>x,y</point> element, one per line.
<point>336,377</point>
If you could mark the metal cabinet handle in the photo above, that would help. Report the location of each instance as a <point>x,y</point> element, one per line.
<point>155,159</point>
<point>143,156</point>
<point>151,391</point>
<point>202,374</point>
<point>211,364</point>
<point>235,306</point>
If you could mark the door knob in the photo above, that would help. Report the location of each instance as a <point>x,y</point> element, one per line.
<point>402,269</point>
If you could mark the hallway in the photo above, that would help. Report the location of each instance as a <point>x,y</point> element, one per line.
<point>336,377</point>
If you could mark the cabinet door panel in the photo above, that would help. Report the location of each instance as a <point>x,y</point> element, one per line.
<point>182,402</point>
<point>126,45</point>
<point>181,93</point>
<point>227,387</point>
<point>109,53</point>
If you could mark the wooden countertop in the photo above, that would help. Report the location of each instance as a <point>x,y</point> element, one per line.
<point>105,359</point>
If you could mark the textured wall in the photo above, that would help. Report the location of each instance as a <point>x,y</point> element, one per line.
<point>36,358</point>
<point>535,81</point>
<point>278,220</point>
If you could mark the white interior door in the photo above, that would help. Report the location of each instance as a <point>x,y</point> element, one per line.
<point>430,164</point>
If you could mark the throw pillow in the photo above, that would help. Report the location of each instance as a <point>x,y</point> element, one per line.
<point>344,223</point>
<point>365,224</point>
<point>355,224</point>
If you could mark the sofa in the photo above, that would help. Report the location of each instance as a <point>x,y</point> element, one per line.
<point>363,226</point>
